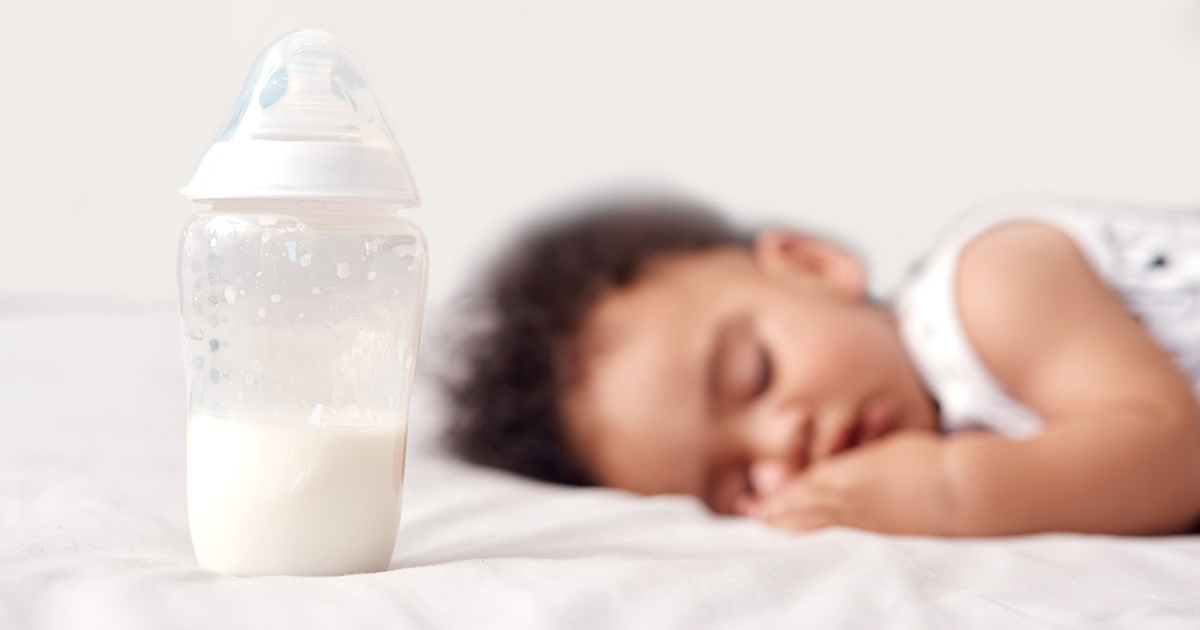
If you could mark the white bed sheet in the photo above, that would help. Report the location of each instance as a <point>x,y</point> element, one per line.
<point>93,534</point>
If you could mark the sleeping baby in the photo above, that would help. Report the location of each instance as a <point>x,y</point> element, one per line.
<point>1035,372</point>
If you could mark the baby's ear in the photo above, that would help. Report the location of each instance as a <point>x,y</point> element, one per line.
<point>783,251</point>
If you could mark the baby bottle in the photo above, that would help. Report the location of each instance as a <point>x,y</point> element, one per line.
<point>301,292</point>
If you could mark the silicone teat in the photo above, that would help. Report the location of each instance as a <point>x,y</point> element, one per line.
<point>306,126</point>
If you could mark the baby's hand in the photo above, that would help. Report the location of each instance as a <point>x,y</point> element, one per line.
<point>895,484</point>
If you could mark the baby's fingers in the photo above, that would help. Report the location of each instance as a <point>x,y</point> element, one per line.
<point>796,507</point>
<point>767,477</point>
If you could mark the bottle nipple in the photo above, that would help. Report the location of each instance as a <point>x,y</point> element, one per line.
<point>306,126</point>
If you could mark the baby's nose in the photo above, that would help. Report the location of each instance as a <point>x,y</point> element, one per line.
<point>782,434</point>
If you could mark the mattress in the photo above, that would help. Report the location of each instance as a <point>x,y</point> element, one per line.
<point>93,532</point>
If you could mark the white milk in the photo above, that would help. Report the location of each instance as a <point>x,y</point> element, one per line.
<point>299,499</point>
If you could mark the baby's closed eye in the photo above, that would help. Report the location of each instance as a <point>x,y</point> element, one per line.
<point>744,369</point>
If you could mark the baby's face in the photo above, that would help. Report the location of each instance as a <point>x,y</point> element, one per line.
<point>716,365</point>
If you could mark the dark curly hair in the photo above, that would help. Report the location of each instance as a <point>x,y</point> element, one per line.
<point>516,366</point>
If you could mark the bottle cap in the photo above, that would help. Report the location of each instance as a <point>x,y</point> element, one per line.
<point>306,126</point>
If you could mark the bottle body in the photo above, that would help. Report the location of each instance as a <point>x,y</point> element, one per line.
<point>300,329</point>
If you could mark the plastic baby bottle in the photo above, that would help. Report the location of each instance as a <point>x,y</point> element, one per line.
<point>301,292</point>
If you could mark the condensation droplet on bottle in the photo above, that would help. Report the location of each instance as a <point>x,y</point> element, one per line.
<point>371,275</point>
<point>338,397</point>
<point>316,290</point>
<point>241,292</point>
<point>230,295</point>
<point>259,274</point>
<point>343,270</point>
<point>262,312</point>
<point>256,364</point>
<point>305,260</point>
<point>275,298</point>
<point>249,378</point>
<point>397,291</point>
<point>266,236</point>
<point>299,314</point>
<point>213,242</point>
<point>187,253</point>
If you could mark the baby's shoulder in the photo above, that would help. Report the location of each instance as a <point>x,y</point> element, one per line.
<point>1037,312</point>
<point>1018,278</point>
<point>1041,290</point>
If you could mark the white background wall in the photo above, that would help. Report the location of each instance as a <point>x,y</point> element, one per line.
<point>873,119</point>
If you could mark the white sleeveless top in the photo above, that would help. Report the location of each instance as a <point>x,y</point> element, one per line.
<point>1148,256</point>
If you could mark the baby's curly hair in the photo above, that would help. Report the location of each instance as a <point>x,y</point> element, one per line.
<point>516,366</point>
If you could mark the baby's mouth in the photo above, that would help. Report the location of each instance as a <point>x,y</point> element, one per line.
<point>872,421</point>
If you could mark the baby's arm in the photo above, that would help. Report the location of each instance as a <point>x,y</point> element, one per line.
<point>1120,452</point>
